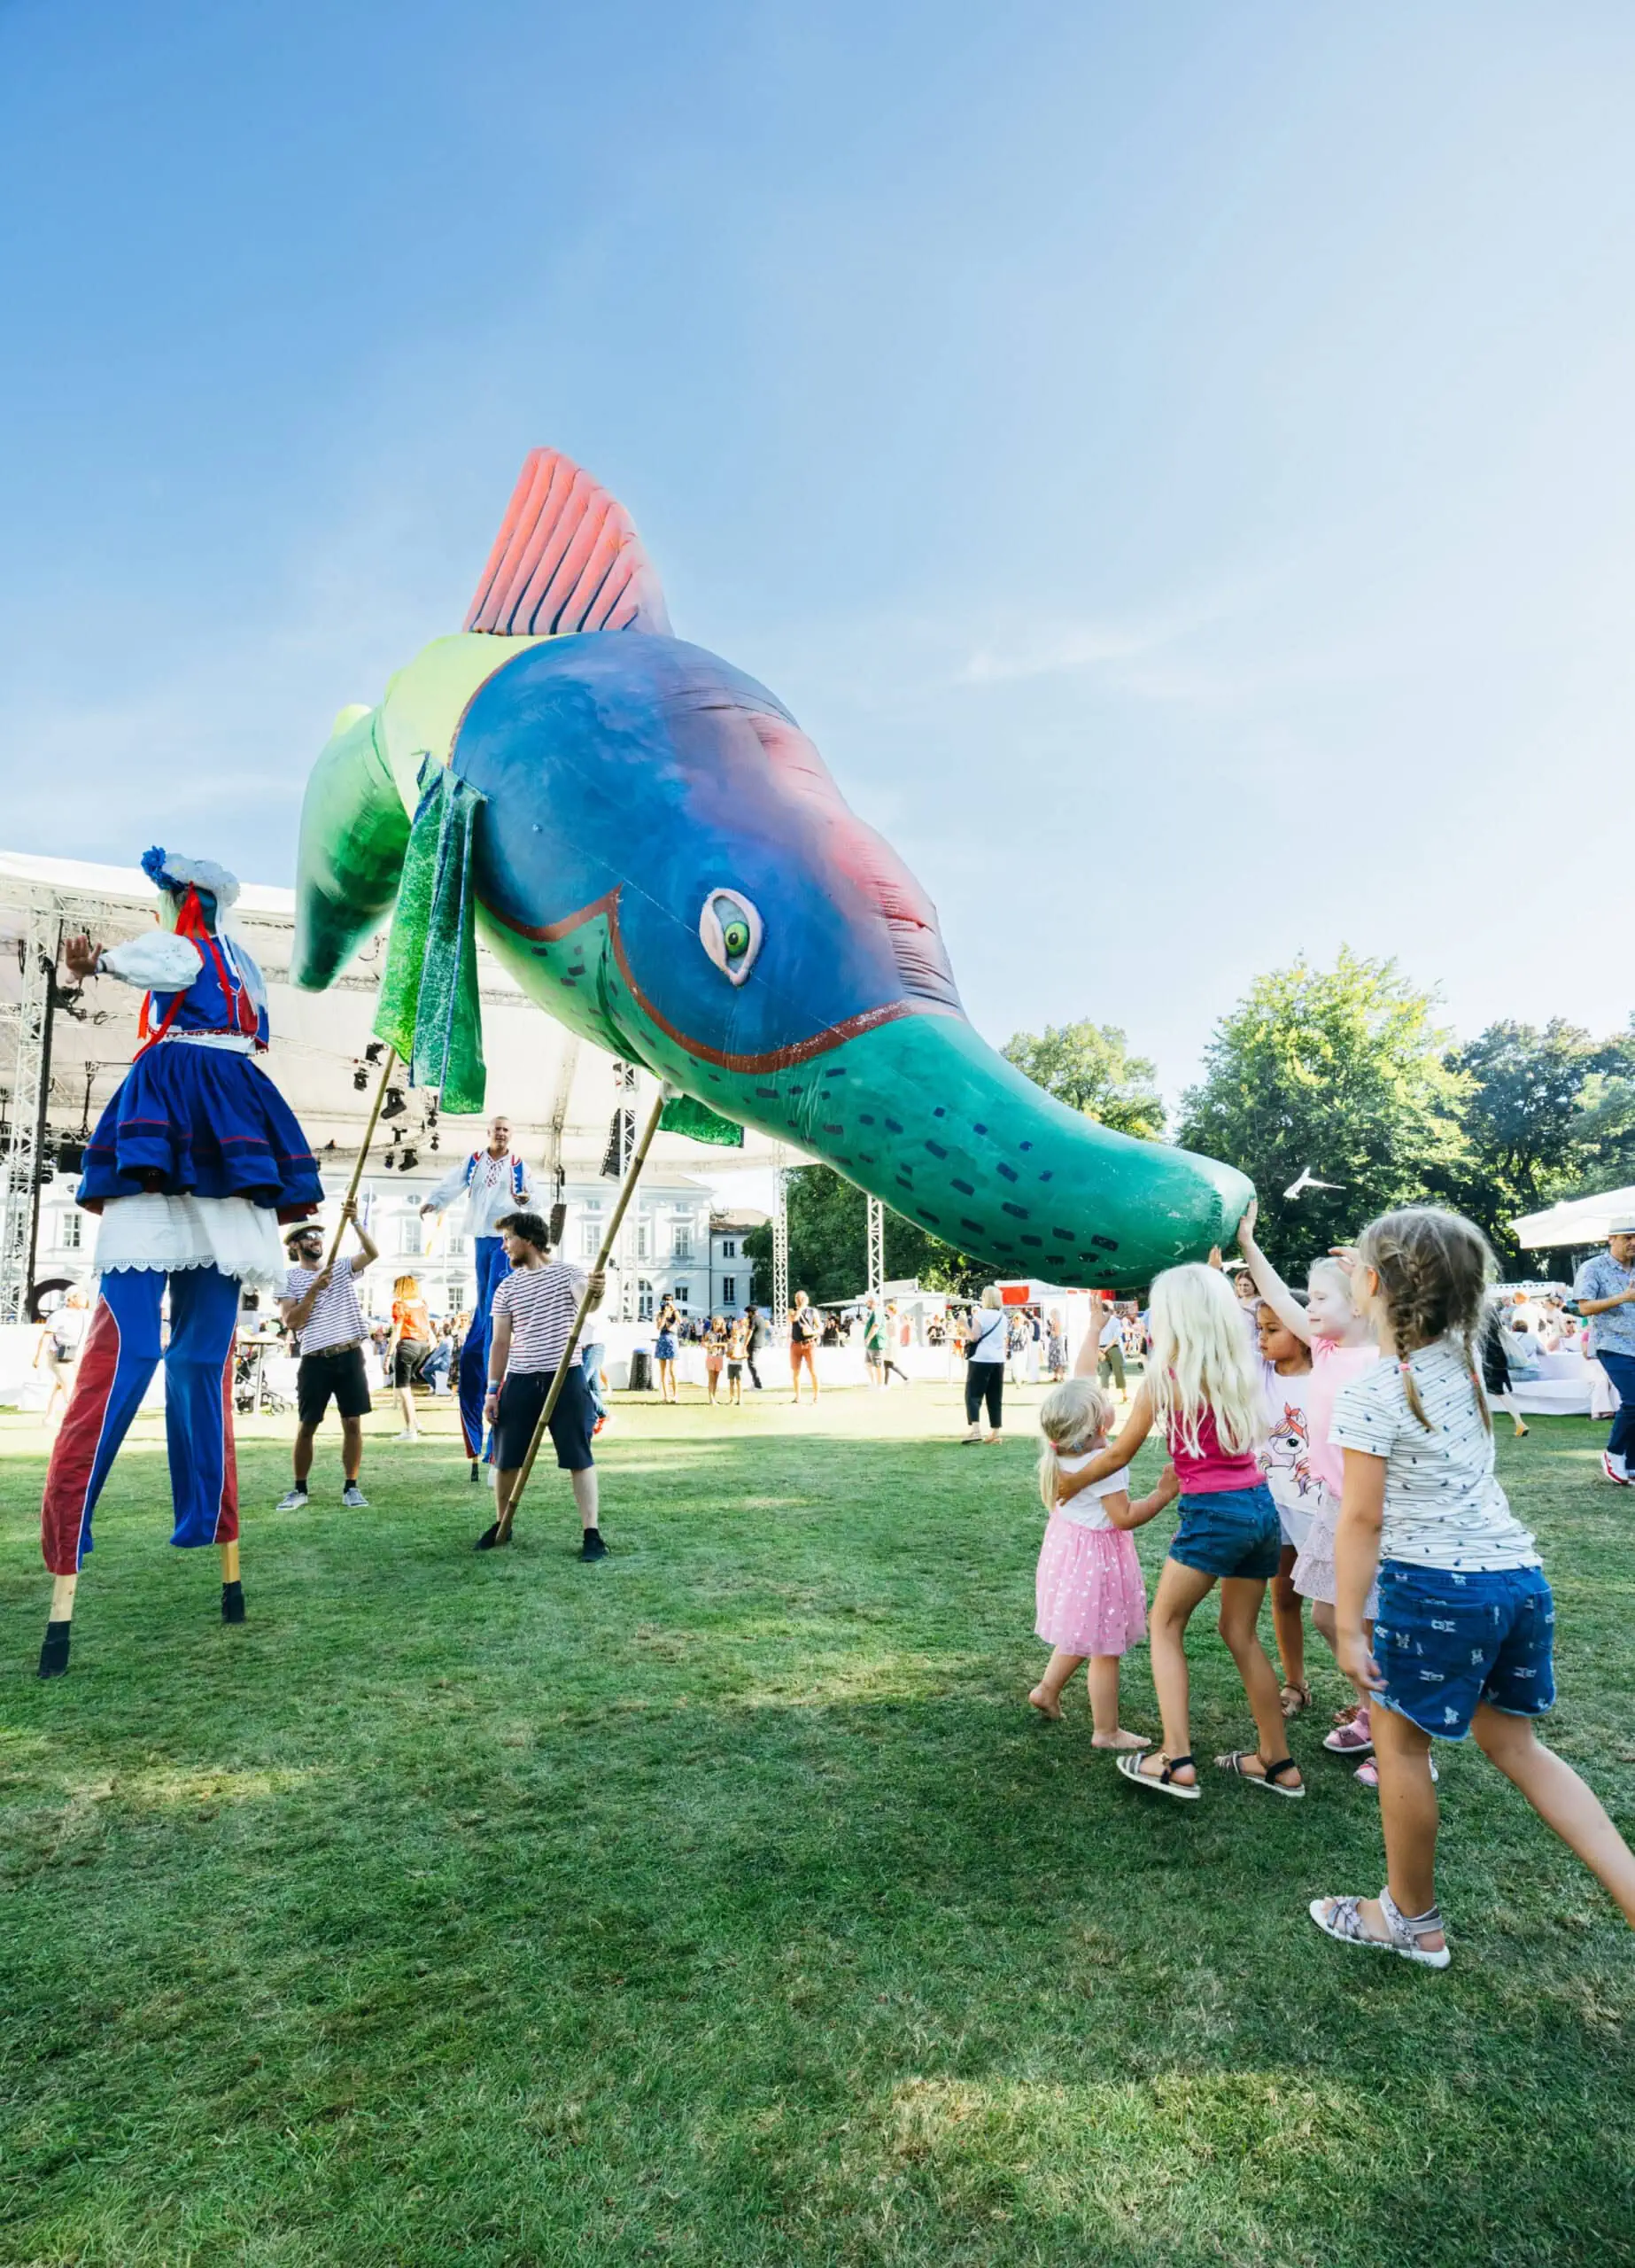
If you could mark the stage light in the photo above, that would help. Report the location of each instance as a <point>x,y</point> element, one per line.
<point>408,1160</point>
<point>360,1078</point>
<point>394,1105</point>
<point>372,1053</point>
<point>434,1141</point>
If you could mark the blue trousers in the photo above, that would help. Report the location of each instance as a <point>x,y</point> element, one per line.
<point>1621,1370</point>
<point>491,1266</point>
<point>120,1353</point>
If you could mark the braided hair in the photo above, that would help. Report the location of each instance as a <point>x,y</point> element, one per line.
<point>1434,1268</point>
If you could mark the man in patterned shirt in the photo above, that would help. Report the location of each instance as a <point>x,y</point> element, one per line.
<point>1604,1290</point>
<point>533,1312</point>
<point>320,1305</point>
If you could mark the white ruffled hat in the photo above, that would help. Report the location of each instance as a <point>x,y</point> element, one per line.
<point>169,870</point>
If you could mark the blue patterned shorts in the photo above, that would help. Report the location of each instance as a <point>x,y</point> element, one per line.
<point>1446,1641</point>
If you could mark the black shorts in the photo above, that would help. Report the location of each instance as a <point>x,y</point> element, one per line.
<point>521,1398</point>
<point>410,1355</point>
<point>340,1373</point>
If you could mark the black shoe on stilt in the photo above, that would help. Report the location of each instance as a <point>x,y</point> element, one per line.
<point>491,1539</point>
<point>54,1652</point>
<point>593,1547</point>
<point>232,1602</point>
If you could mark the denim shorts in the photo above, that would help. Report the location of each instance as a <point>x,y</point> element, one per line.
<point>1447,1642</point>
<point>1229,1532</point>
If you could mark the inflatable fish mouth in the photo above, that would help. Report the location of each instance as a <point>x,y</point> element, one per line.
<point>660,854</point>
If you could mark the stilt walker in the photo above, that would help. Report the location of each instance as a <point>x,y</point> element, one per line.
<point>193,1165</point>
<point>494,1181</point>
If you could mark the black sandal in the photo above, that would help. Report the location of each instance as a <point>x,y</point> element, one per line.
<point>1162,1783</point>
<point>1269,1777</point>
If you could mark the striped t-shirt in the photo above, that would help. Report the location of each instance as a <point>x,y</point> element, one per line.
<point>1444,1507</point>
<point>541,1304</point>
<point>337,1320</point>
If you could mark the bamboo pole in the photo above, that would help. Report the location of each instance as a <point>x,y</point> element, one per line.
<point>500,1531</point>
<point>386,1070</point>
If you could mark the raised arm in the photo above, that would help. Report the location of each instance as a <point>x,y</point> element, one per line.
<point>447,1190</point>
<point>159,962</point>
<point>1268,1283</point>
<point>368,1252</point>
<point>1089,1353</point>
<point>1117,1454</point>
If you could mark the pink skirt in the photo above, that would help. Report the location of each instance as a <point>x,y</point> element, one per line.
<point>1314,1573</point>
<point>1091,1598</point>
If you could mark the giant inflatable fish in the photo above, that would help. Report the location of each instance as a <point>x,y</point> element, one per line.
<point>662,859</point>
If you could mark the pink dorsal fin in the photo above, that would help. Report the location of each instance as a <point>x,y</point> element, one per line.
<point>567,558</point>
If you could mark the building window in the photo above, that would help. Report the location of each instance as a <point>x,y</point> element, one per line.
<point>729,1249</point>
<point>455,1245</point>
<point>644,1300</point>
<point>729,1291</point>
<point>69,1232</point>
<point>683,1296</point>
<point>681,1242</point>
<point>589,1233</point>
<point>642,1240</point>
<point>410,1241</point>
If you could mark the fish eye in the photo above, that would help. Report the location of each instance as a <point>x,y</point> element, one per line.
<point>729,929</point>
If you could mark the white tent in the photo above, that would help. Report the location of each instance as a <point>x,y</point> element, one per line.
<point>1583,1220</point>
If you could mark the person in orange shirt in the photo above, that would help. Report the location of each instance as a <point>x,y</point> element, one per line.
<point>410,1344</point>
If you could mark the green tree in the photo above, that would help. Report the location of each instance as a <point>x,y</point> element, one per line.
<point>1528,1121</point>
<point>828,1244</point>
<point>1343,1072</point>
<point>1090,1068</point>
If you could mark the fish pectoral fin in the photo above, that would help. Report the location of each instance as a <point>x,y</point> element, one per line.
<point>354,833</point>
<point>567,558</point>
<point>685,1115</point>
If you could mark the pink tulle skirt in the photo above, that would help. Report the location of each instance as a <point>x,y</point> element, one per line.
<point>1091,1598</point>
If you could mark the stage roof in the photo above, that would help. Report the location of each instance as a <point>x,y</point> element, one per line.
<point>535,1068</point>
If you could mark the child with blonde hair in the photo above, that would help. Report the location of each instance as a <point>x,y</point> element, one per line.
<point>1463,1643</point>
<point>1092,1602</point>
<point>1343,1348</point>
<point>1202,1389</point>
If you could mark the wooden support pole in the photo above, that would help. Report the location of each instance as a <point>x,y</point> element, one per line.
<point>500,1531</point>
<point>386,1070</point>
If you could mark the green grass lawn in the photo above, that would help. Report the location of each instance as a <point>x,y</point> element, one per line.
<point>725,1903</point>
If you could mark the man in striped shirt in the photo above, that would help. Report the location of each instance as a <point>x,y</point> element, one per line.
<point>320,1305</point>
<point>533,1318</point>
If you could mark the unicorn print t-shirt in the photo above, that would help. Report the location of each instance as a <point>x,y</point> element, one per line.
<point>1285,1453</point>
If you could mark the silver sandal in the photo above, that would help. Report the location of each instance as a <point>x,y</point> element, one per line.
<point>1340,1918</point>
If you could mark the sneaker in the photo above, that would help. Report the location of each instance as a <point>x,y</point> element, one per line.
<point>1614,1468</point>
<point>476,1473</point>
<point>408,1434</point>
<point>593,1547</point>
<point>293,1500</point>
<point>353,1498</point>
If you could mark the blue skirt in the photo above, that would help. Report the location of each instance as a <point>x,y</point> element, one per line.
<point>206,1123</point>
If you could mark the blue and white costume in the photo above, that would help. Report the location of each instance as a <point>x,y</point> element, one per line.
<point>194,1163</point>
<point>493,1187</point>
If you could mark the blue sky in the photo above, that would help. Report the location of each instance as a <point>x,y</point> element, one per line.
<point>1176,460</point>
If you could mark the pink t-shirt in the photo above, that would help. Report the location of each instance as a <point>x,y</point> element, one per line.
<point>1214,1468</point>
<point>1333,1366</point>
